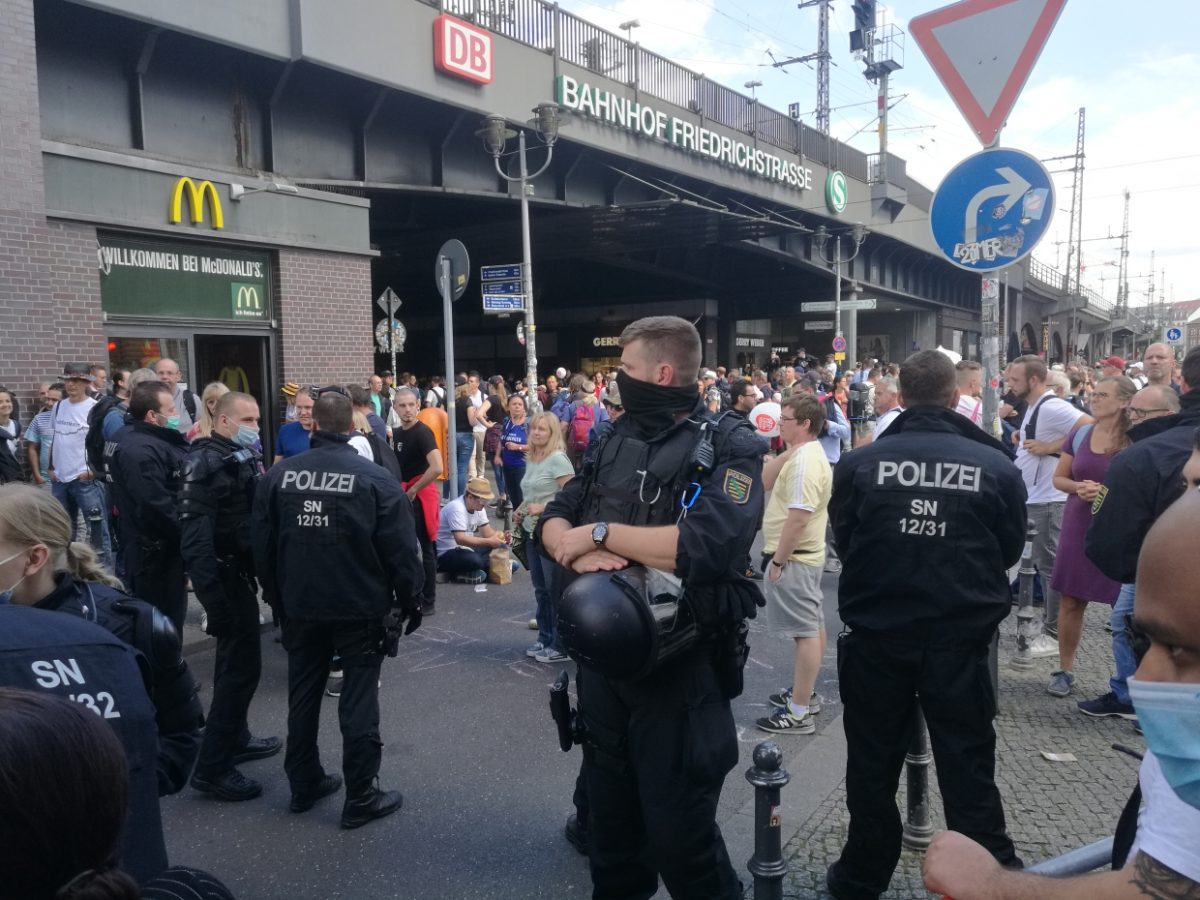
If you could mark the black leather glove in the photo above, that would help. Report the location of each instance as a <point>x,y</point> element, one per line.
<point>410,613</point>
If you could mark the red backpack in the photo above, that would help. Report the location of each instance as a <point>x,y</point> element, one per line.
<point>581,425</point>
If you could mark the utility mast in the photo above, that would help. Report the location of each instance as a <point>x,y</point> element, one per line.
<point>1075,229</point>
<point>1123,276</point>
<point>822,57</point>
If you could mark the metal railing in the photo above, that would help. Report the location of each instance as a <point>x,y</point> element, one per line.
<point>543,25</point>
<point>1059,282</point>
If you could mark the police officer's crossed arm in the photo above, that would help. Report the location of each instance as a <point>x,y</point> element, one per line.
<point>958,867</point>
<point>395,541</point>
<point>197,525</point>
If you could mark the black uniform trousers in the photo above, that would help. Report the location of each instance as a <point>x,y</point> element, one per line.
<point>157,577</point>
<point>310,646</point>
<point>236,670</point>
<point>882,678</point>
<point>657,754</point>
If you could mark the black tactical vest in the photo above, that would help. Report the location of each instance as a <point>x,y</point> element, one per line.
<point>81,662</point>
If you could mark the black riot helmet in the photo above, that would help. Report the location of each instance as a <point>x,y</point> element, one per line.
<point>609,622</point>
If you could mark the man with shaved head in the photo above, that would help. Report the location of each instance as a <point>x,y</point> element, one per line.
<point>1164,860</point>
<point>1157,364</point>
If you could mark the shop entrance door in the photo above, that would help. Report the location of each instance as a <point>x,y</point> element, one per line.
<point>240,362</point>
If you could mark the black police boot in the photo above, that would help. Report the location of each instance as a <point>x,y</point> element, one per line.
<point>303,801</point>
<point>257,748</point>
<point>577,834</point>
<point>231,785</point>
<point>371,804</point>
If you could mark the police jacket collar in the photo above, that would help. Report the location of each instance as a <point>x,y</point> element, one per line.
<point>1188,416</point>
<point>937,418</point>
<point>219,443</point>
<point>328,438</point>
<point>67,596</point>
<point>170,435</point>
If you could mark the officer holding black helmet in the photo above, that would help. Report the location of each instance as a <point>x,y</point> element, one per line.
<point>143,461</point>
<point>332,507</point>
<point>678,491</point>
<point>218,483</point>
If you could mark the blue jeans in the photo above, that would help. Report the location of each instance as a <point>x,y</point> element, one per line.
<point>463,561</point>
<point>464,446</point>
<point>1123,656</point>
<point>542,571</point>
<point>87,496</point>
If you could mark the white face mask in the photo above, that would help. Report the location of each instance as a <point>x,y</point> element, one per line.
<point>6,595</point>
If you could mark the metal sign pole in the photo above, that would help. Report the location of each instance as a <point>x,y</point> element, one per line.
<point>527,279</point>
<point>448,333</point>
<point>990,341</point>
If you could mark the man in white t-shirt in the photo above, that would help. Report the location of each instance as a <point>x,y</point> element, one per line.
<point>1164,860</point>
<point>71,479</point>
<point>1039,440</point>
<point>479,427</point>
<point>465,538</point>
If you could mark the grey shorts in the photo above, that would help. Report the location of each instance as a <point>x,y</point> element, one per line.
<point>795,606</point>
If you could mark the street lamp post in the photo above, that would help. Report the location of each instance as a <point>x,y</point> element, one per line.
<point>820,240</point>
<point>496,134</point>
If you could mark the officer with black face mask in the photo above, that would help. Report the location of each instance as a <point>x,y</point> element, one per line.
<point>218,482</point>
<point>143,461</point>
<point>675,490</point>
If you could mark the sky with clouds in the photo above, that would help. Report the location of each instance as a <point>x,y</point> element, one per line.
<point>1134,67</point>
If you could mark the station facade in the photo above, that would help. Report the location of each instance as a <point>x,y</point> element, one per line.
<point>232,186</point>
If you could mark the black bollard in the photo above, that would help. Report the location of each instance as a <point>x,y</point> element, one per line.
<point>918,832</point>
<point>1027,626</point>
<point>766,865</point>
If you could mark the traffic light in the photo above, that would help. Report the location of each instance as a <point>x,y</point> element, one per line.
<point>864,21</point>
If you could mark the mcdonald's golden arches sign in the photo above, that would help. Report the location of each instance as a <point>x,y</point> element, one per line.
<point>196,194</point>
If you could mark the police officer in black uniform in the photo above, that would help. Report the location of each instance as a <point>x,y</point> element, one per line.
<point>143,461</point>
<point>927,520</point>
<point>671,489</point>
<point>49,572</point>
<point>80,661</point>
<point>218,481</point>
<point>331,507</point>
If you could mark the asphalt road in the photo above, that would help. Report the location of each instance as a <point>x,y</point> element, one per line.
<point>470,743</point>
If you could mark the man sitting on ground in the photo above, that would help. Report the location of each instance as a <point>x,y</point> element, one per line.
<point>465,539</point>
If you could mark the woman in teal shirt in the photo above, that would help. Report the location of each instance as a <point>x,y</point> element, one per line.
<point>547,469</point>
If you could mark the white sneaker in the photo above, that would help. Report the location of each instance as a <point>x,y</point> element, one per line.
<point>1043,647</point>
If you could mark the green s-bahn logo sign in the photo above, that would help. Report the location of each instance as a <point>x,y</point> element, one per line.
<point>836,191</point>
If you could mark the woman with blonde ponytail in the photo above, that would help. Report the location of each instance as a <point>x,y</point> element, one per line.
<point>41,567</point>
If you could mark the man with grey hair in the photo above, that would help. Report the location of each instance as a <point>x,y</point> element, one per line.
<point>888,404</point>
<point>168,373</point>
<point>1152,401</point>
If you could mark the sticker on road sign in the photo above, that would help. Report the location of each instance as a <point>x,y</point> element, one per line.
<point>992,209</point>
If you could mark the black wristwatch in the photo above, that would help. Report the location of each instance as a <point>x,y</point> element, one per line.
<point>599,534</point>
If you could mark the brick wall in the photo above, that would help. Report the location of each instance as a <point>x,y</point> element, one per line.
<point>75,282</point>
<point>325,318</point>
<point>27,319</point>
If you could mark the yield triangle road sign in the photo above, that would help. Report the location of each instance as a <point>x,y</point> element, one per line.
<point>983,52</point>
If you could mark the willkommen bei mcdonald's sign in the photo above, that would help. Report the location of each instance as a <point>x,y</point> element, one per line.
<point>196,196</point>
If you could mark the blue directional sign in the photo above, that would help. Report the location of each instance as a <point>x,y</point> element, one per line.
<point>992,209</point>
<point>1174,335</point>
<point>505,303</point>
<point>494,273</point>
<point>500,287</point>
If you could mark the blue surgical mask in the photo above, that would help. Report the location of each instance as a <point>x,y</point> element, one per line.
<point>1169,714</point>
<point>6,595</point>
<point>246,436</point>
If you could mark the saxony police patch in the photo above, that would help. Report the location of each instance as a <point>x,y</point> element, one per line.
<point>1099,501</point>
<point>737,485</point>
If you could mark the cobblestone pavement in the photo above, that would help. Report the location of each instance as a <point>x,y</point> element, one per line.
<point>1050,806</point>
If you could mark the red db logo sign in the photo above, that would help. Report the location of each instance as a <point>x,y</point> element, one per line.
<point>462,50</point>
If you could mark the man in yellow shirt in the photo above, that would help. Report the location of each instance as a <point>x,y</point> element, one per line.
<point>800,480</point>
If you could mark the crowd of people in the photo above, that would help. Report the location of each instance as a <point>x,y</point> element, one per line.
<point>585,481</point>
